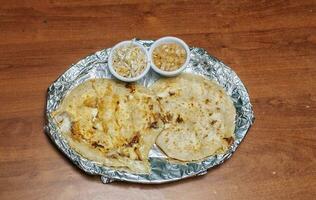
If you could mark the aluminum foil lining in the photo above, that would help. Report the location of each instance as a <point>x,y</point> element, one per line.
<point>201,63</point>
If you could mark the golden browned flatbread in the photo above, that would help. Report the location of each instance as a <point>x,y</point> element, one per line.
<point>199,117</point>
<point>109,122</point>
<point>116,124</point>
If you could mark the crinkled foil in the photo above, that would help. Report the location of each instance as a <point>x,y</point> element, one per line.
<point>96,66</point>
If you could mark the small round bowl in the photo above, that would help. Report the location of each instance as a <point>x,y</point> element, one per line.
<point>122,78</point>
<point>169,40</point>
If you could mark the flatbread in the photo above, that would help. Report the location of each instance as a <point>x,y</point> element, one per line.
<point>112,123</point>
<point>116,124</point>
<point>199,117</point>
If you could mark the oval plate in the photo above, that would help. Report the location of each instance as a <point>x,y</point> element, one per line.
<point>201,63</point>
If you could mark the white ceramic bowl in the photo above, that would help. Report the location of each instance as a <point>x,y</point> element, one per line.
<point>122,78</point>
<point>169,40</point>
